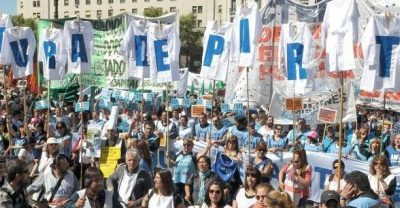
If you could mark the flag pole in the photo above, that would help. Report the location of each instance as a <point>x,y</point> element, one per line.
<point>7,108</point>
<point>81,113</point>
<point>383,121</point>
<point>294,132</point>
<point>248,112</point>
<point>340,129</point>
<point>167,134</point>
<point>212,112</point>
<point>142,107</point>
<point>48,107</point>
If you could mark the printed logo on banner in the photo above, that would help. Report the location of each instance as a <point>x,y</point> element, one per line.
<point>106,94</point>
<point>116,94</point>
<point>123,126</point>
<point>42,104</point>
<point>138,96</point>
<point>225,108</point>
<point>81,106</point>
<point>208,104</point>
<point>174,103</point>
<point>199,101</point>
<point>238,108</point>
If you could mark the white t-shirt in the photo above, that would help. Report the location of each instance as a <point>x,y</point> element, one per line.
<point>215,62</point>
<point>160,201</point>
<point>339,32</point>
<point>245,50</point>
<point>165,68</point>
<point>242,200</point>
<point>333,184</point>
<point>50,52</point>
<point>376,30</point>
<point>5,23</point>
<point>133,48</point>
<point>18,48</point>
<point>78,37</point>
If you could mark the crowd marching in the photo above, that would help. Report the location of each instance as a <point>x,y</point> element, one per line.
<point>41,165</point>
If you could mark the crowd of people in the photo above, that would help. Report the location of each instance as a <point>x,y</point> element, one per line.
<point>42,166</point>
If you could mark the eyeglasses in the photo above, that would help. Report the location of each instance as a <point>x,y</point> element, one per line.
<point>215,191</point>
<point>278,129</point>
<point>187,145</point>
<point>261,150</point>
<point>258,197</point>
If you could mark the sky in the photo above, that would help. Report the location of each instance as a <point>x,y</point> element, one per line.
<point>8,6</point>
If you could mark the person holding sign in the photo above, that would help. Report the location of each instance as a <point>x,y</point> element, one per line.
<point>94,194</point>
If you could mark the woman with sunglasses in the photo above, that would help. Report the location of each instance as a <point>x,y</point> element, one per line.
<point>295,178</point>
<point>382,181</point>
<point>262,191</point>
<point>277,141</point>
<point>262,162</point>
<point>245,197</point>
<point>333,179</point>
<point>215,196</point>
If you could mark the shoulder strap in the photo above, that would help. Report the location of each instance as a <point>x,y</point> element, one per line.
<point>9,194</point>
<point>151,194</point>
<point>55,189</point>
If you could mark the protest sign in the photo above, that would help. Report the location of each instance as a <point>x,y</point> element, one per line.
<point>109,160</point>
<point>294,104</point>
<point>92,146</point>
<point>327,115</point>
<point>197,110</point>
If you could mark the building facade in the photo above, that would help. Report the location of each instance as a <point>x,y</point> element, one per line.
<point>205,10</point>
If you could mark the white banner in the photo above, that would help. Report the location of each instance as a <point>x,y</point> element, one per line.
<point>321,167</point>
<point>312,103</point>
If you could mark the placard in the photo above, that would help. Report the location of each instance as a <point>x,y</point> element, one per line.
<point>197,110</point>
<point>109,160</point>
<point>92,146</point>
<point>42,104</point>
<point>327,115</point>
<point>81,106</point>
<point>294,104</point>
<point>207,97</point>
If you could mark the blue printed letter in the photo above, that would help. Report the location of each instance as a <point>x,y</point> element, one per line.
<point>141,50</point>
<point>215,46</point>
<point>385,55</point>
<point>244,36</point>
<point>294,60</point>
<point>20,57</point>
<point>49,48</point>
<point>78,48</point>
<point>160,55</point>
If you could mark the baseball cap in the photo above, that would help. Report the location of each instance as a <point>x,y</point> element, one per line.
<point>330,195</point>
<point>312,135</point>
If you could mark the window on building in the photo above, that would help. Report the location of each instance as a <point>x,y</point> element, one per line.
<point>87,2</point>
<point>134,11</point>
<point>98,14</point>
<point>66,2</point>
<point>172,9</point>
<point>38,15</point>
<point>172,0</point>
<point>110,1</point>
<point>122,11</point>
<point>199,23</point>
<point>66,14</point>
<point>99,2</point>
<point>194,9</point>
<point>21,5</point>
<point>110,12</point>
<point>76,13</point>
<point>219,9</point>
<point>134,1</point>
<point>159,0</point>
<point>146,0</point>
<point>36,3</point>
<point>200,9</point>
<point>122,1</point>
<point>88,14</point>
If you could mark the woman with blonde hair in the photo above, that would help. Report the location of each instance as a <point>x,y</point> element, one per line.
<point>382,181</point>
<point>231,148</point>
<point>277,199</point>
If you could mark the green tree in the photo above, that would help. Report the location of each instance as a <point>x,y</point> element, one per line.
<point>191,49</point>
<point>153,12</point>
<point>19,20</point>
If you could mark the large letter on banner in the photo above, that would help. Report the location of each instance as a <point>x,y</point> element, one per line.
<point>50,49</point>
<point>20,57</point>
<point>78,48</point>
<point>215,46</point>
<point>244,36</point>
<point>141,50</point>
<point>2,29</point>
<point>161,54</point>
<point>385,57</point>
<point>294,61</point>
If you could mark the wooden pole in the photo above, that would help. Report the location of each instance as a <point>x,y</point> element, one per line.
<point>383,122</point>
<point>248,112</point>
<point>340,130</point>
<point>48,108</point>
<point>167,132</point>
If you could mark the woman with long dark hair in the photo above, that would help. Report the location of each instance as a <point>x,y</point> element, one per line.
<point>382,181</point>
<point>245,197</point>
<point>215,197</point>
<point>163,196</point>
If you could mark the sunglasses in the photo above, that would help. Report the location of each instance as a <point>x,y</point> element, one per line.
<point>258,197</point>
<point>187,145</point>
<point>215,191</point>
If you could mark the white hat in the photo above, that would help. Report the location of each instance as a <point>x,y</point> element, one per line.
<point>52,140</point>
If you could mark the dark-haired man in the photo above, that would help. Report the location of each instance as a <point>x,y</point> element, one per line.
<point>12,192</point>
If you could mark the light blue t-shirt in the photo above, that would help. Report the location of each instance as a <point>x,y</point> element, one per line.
<point>363,202</point>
